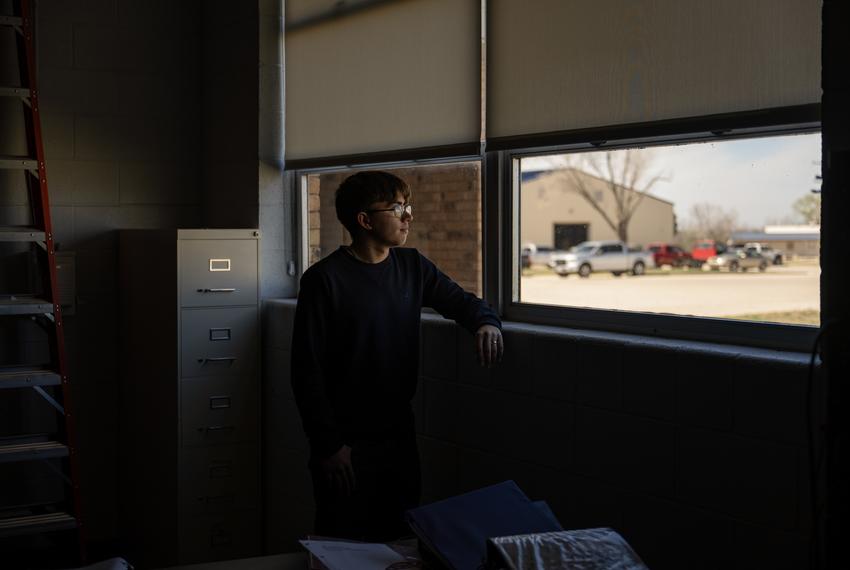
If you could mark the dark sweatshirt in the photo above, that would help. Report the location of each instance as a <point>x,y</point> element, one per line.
<point>355,346</point>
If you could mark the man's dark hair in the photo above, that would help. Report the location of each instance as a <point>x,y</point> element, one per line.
<point>361,190</point>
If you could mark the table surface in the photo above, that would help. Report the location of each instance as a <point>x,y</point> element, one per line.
<point>289,561</point>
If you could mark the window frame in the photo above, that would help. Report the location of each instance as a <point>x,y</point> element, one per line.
<point>501,184</point>
<point>500,236</point>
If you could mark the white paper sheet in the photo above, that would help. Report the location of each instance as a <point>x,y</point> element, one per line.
<point>111,564</point>
<point>352,555</point>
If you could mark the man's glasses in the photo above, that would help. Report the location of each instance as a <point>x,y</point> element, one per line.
<point>398,210</point>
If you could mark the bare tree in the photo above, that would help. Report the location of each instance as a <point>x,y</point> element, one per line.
<point>626,178</point>
<point>787,220</point>
<point>808,207</point>
<point>712,221</point>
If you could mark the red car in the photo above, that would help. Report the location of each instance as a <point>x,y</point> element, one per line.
<point>668,254</point>
<point>707,248</point>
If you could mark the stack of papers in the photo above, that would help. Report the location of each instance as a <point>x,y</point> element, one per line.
<point>594,548</point>
<point>346,555</point>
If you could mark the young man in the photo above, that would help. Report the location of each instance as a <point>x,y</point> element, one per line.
<point>355,360</point>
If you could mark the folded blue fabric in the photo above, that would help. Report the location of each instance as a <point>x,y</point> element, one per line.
<point>456,529</point>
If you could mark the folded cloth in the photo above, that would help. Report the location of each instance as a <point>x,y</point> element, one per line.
<point>456,530</point>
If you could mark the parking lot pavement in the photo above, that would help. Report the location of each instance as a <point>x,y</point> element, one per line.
<point>709,294</point>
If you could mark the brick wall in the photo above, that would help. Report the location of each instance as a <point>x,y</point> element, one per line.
<point>446,224</point>
<point>326,233</point>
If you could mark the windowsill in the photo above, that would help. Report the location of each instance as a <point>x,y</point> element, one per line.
<point>649,342</point>
<point>785,357</point>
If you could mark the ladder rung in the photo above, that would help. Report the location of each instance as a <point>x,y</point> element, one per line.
<point>21,233</point>
<point>36,524</point>
<point>11,21</point>
<point>18,163</point>
<point>24,306</point>
<point>27,376</point>
<point>23,520</point>
<point>22,92</point>
<point>11,452</point>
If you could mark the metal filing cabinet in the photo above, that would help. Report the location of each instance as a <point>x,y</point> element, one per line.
<point>189,406</point>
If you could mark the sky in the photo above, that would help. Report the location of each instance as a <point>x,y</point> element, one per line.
<point>758,178</point>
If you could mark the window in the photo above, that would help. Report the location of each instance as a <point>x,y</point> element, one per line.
<point>447,216</point>
<point>727,229</point>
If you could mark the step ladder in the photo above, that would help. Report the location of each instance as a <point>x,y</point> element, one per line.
<point>48,522</point>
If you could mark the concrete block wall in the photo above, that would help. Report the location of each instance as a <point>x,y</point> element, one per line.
<point>287,492</point>
<point>155,115</point>
<point>696,453</point>
<point>230,113</point>
<point>242,132</point>
<point>119,86</point>
<point>276,205</point>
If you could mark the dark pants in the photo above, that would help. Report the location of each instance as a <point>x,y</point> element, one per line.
<point>387,483</point>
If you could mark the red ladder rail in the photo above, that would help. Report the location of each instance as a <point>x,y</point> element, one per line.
<point>36,180</point>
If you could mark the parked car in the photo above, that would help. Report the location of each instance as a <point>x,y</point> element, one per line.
<point>533,254</point>
<point>668,254</point>
<point>613,256</point>
<point>737,260</point>
<point>707,248</point>
<point>774,256</point>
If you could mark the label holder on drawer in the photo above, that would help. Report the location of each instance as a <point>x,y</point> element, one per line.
<point>220,536</point>
<point>220,334</point>
<point>220,469</point>
<point>219,402</point>
<point>220,264</point>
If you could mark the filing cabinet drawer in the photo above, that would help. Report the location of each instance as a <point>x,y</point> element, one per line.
<point>218,341</point>
<point>219,479</point>
<point>218,410</point>
<point>218,272</point>
<point>219,537</point>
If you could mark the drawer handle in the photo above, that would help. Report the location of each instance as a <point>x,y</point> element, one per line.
<point>217,499</point>
<point>217,428</point>
<point>230,359</point>
<point>218,290</point>
<point>219,402</point>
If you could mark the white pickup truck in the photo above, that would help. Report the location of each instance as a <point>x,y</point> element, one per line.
<point>613,256</point>
<point>774,256</point>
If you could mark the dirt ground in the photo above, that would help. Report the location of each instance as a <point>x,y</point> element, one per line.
<point>787,289</point>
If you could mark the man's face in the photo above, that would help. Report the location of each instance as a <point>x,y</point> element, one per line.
<point>388,229</point>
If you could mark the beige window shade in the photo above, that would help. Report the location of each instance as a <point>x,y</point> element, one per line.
<point>556,65</point>
<point>394,76</point>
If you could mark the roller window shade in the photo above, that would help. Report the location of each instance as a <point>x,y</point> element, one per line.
<point>392,76</point>
<point>558,65</point>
